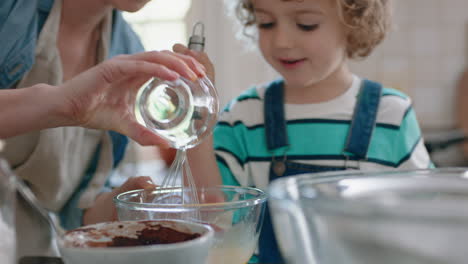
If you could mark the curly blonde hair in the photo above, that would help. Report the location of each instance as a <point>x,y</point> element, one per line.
<point>366,21</point>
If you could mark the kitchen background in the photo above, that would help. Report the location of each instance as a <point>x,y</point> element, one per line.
<point>423,56</point>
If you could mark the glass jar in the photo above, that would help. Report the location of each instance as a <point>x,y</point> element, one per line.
<point>182,112</point>
<point>7,213</point>
<point>417,217</point>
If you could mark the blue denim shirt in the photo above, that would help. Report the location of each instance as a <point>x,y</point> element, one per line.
<point>21,22</point>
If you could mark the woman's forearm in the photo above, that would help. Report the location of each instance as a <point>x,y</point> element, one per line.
<point>30,109</point>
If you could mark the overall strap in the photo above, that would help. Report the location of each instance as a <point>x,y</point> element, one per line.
<point>364,119</point>
<point>275,122</point>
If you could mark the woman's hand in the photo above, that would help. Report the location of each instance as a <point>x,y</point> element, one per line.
<point>104,209</point>
<point>104,96</point>
<point>201,57</point>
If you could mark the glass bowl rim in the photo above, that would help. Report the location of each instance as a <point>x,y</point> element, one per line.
<point>260,198</point>
<point>360,208</point>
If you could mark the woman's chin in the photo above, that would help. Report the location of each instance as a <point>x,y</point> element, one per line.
<point>131,6</point>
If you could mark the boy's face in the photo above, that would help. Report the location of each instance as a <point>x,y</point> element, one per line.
<point>303,40</point>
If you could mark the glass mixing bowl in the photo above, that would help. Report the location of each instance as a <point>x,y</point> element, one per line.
<point>372,217</point>
<point>235,213</point>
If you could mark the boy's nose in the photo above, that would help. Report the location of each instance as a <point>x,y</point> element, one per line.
<point>283,38</point>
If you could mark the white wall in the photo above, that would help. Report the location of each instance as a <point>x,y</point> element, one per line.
<point>424,57</point>
<point>160,23</point>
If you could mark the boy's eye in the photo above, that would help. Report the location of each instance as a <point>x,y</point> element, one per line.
<point>266,25</point>
<point>308,27</point>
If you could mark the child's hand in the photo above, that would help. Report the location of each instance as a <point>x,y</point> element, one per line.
<point>104,209</point>
<point>201,57</point>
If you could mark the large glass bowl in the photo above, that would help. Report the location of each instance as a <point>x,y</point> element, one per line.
<point>235,213</point>
<point>372,217</point>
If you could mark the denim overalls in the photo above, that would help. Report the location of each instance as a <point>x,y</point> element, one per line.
<point>357,144</point>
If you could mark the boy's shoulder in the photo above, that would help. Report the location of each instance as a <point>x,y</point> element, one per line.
<point>395,98</point>
<point>254,94</point>
<point>247,107</point>
<point>249,97</point>
<point>394,92</point>
<point>394,106</point>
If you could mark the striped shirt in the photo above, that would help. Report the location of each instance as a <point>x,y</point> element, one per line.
<point>317,135</point>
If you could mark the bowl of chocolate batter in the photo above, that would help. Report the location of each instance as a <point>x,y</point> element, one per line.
<point>142,242</point>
